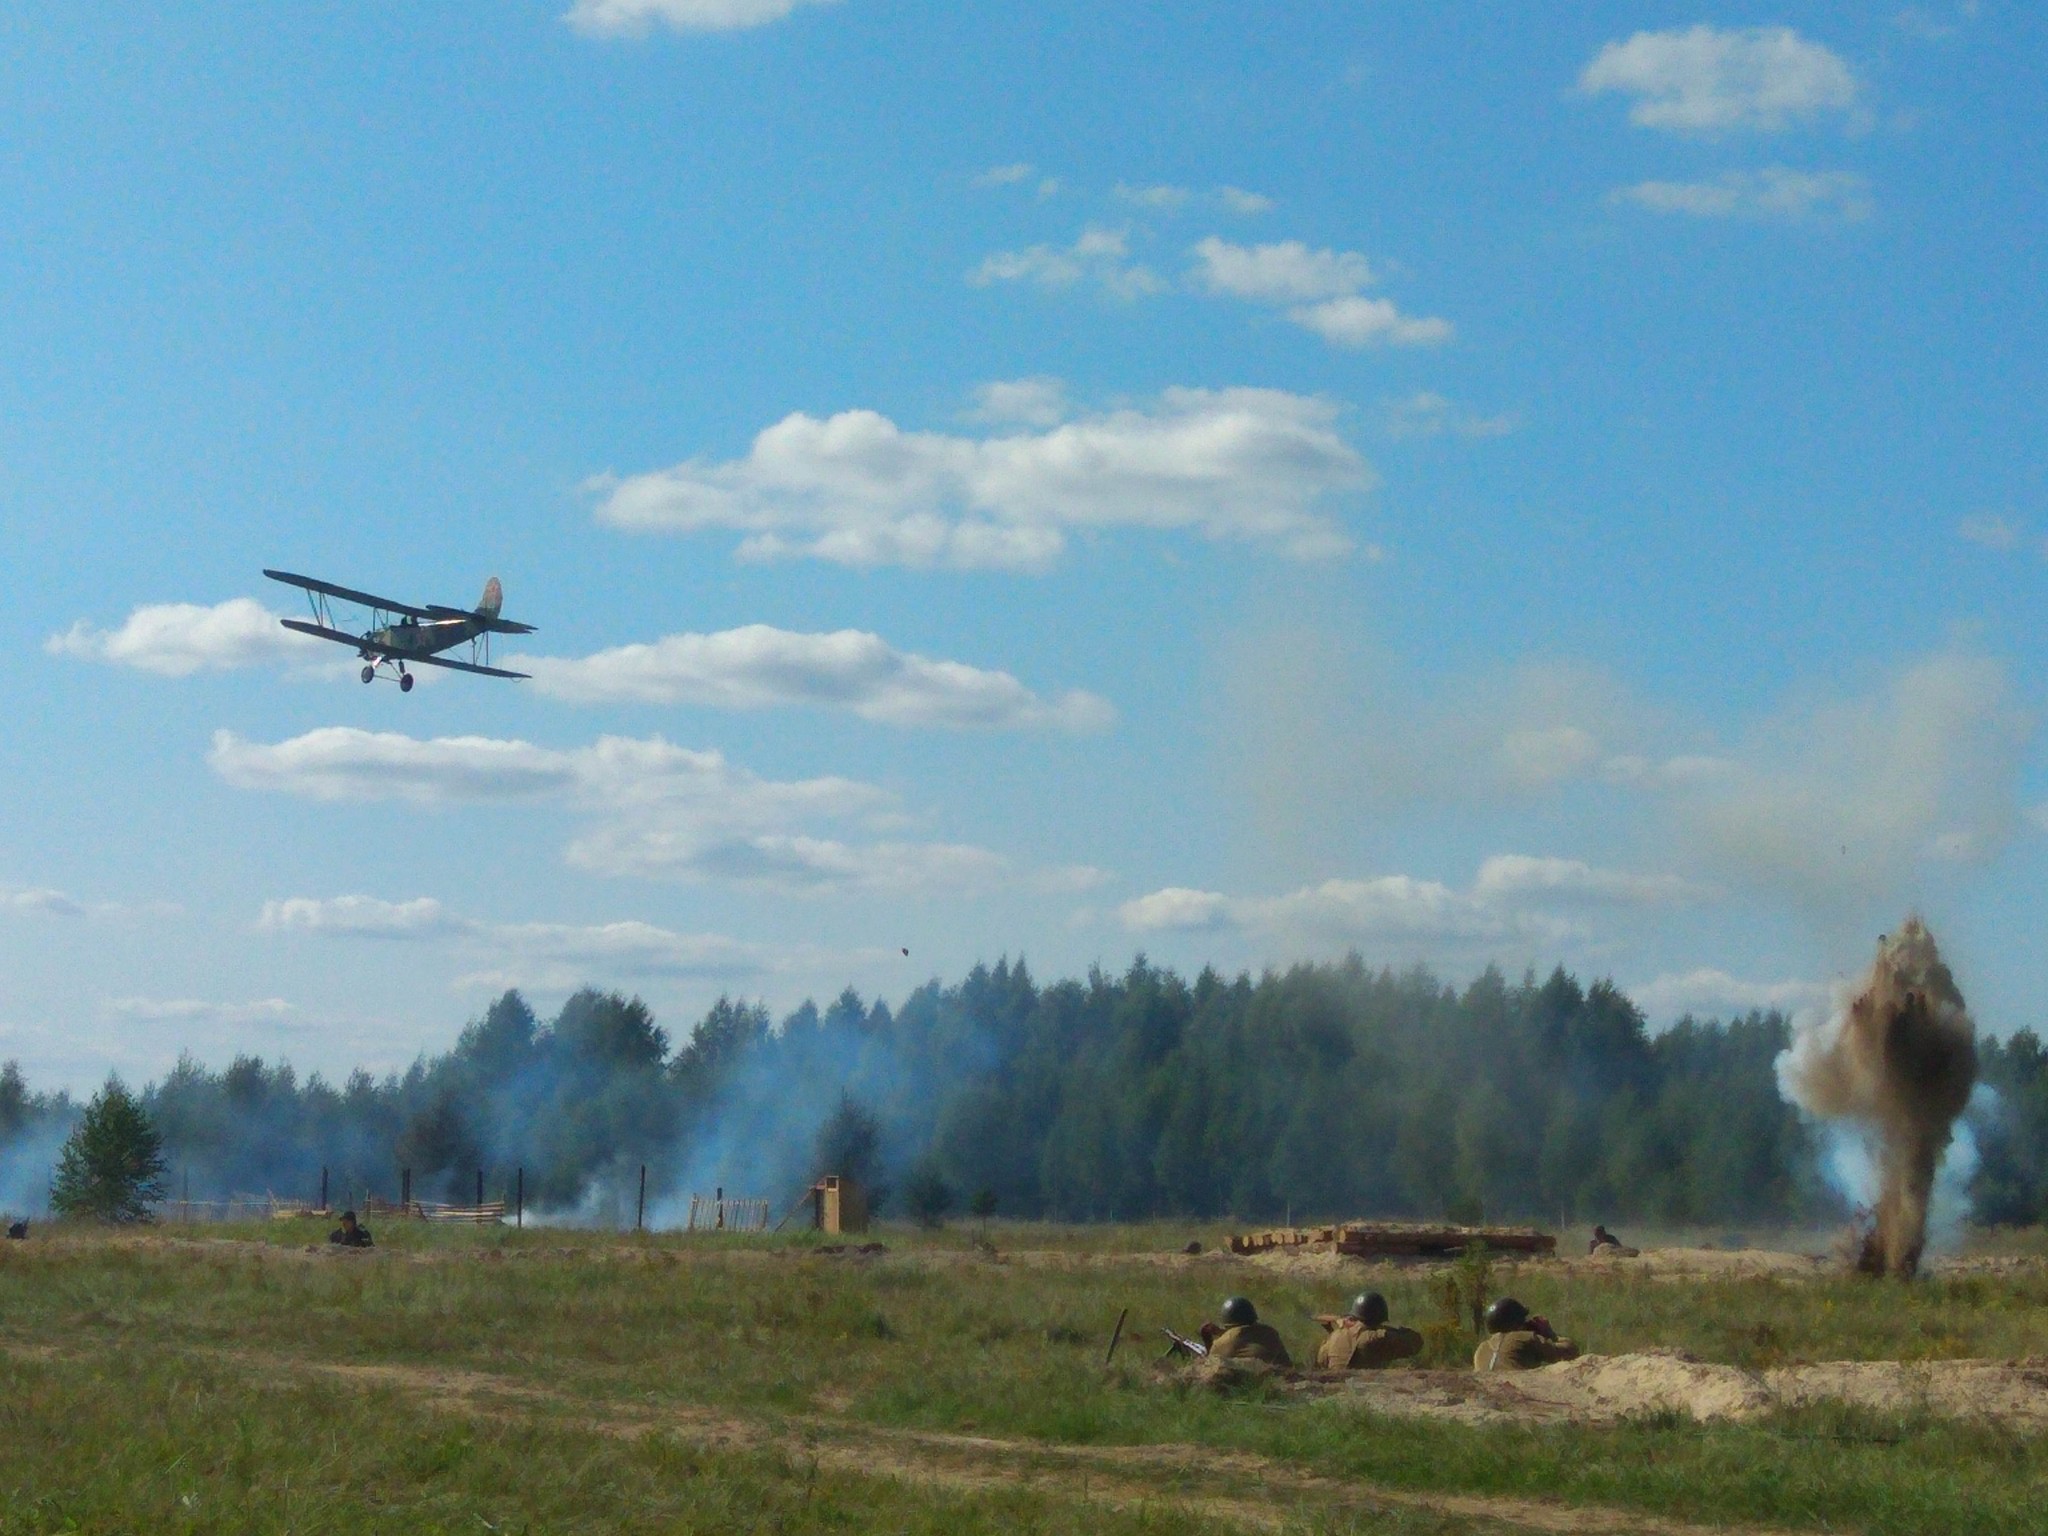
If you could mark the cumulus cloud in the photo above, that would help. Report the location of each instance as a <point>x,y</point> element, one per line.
<point>1100,256</point>
<point>1238,200</point>
<point>359,917</point>
<point>1515,898</point>
<point>1319,288</point>
<point>1164,199</point>
<point>561,953</point>
<point>1004,175</point>
<point>39,901</point>
<point>1255,465</point>
<point>1775,192</point>
<point>1429,414</point>
<point>1285,272</point>
<point>1708,80</point>
<point>759,667</point>
<point>1039,402</point>
<point>1711,993</point>
<point>178,639</point>
<point>635,18</point>
<point>655,810</point>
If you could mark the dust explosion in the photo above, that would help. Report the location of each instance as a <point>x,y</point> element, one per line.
<point>1898,1058</point>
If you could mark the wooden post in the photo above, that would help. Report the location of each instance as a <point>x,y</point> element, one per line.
<point>640,1216</point>
<point>719,1195</point>
<point>323,1186</point>
<point>519,1201</point>
<point>405,1191</point>
<point>479,1186</point>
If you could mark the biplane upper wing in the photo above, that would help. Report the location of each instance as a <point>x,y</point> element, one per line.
<point>348,594</point>
<point>463,666</point>
<point>481,620</point>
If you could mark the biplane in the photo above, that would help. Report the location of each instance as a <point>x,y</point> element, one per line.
<point>400,634</point>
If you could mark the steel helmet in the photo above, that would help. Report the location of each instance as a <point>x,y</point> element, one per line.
<point>1506,1315</point>
<point>1370,1308</point>
<point>1238,1311</point>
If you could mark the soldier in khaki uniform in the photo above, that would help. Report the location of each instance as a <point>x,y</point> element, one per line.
<point>1244,1337</point>
<point>1361,1340</point>
<point>1518,1342</point>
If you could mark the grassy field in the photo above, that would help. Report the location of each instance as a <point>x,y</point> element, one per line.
<point>221,1379</point>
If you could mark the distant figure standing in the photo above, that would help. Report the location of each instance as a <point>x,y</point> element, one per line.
<point>1518,1342</point>
<point>1244,1337</point>
<point>1361,1339</point>
<point>351,1233</point>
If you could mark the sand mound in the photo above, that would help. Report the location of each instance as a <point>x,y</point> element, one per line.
<point>1706,1263</point>
<point>1603,1389</point>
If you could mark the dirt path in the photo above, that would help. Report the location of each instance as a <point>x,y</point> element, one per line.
<point>1234,1488</point>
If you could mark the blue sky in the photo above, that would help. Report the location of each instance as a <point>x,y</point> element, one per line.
<point>1241,483</point>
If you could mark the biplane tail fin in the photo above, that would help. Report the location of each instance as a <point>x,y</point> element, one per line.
<point>492,600</point>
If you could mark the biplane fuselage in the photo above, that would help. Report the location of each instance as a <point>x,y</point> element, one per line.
<point>401,633</point>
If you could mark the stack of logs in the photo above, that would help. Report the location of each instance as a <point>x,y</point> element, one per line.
<point>1395,1240</point>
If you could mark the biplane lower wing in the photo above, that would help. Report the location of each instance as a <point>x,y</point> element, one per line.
<point>463,666</point>
<point>348,594</point>
<point>322,632</point>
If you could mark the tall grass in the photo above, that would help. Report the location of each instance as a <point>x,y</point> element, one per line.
<point>932,1335</point>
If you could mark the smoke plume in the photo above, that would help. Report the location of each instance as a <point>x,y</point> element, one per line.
<point>1897,1060</point>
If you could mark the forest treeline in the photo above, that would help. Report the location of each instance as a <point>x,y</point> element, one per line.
<point>1325,1090</point>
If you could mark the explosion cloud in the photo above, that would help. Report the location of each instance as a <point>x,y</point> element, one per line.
<point>1897,1059</point>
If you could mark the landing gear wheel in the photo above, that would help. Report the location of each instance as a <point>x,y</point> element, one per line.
<point>405,682</point>
<point>369,673</point>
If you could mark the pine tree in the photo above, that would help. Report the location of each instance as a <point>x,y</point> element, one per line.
<point>112,1167</point>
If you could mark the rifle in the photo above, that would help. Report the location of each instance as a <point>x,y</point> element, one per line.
<point>1181,1344</point>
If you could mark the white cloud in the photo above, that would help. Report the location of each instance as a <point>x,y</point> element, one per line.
<point>1934,26</point>
<point>39,901</point>
<point>1162,199</point>
<point>1100,256</point>
<point>1357,321</point>
<point>1237,200</point>
<point>345,763</point>
<point>359,917</point>
<point>1712,993</point>
<point>1176,908</point>
<point>2000,533</point>
<point>1706,79</point>
<point>558,953</point>
<point>1245,464</point>
<point>658,810</point>
<point>759,667</point>
<point>1039,402</point>
<point>634,18</point>
<point>1285,272</point>
<point>1429,414</point>
<point>1515,899</point>
<point>1004,175</point>
<point>178,639</point>
<point>1166,199</point>
<point>1776,192</point>
<point>1319,286</point>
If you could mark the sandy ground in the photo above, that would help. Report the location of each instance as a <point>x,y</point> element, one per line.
<point>1601,1389</point>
